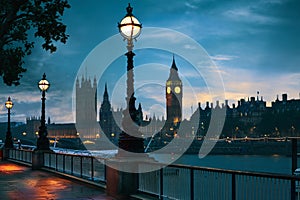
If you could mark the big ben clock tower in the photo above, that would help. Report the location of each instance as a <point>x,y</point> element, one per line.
<point>174,99</point>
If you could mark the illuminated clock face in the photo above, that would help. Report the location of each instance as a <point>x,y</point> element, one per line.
<point>177,89</point>
<point>168,90</point>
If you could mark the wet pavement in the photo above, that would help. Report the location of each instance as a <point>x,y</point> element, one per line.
<point>19,182</point>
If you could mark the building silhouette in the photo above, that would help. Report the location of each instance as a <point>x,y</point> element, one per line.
<point>250,117</point>
<point>173,100</point>
<point>166,130</point>
<point>109,119</point>
<point>86,108</point>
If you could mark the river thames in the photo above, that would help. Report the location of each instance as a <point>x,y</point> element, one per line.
<point>280,164</point>
<point>256,163</point>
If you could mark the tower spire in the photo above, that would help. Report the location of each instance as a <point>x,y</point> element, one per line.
<point>105,90</point>
<point>105,95</point>
<point>174,64</point>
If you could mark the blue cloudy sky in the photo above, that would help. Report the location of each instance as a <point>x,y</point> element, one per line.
<point>255,46</point>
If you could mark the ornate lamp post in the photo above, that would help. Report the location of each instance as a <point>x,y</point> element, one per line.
<point>43,141</point>
<point>8,140</point>
<point>130,138</point>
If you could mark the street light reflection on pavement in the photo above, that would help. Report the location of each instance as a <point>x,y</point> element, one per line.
<point>10,168</point>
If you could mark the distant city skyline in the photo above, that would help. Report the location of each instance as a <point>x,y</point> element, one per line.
<point>255,46</point>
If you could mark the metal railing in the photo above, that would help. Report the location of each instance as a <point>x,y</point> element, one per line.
<point>20,155</point>
<point>86,167</point>
<point>179,181</point>
<point>187,182</point>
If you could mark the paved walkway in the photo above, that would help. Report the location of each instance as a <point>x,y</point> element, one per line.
<point>19,182</point>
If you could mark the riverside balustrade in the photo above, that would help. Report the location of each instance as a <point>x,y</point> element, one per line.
<point>87,167</point>
<point>178,181</point>
<point>188,182</point>
<point>20,155</point>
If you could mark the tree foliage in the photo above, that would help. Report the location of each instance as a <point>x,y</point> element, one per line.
<point>18,18</point>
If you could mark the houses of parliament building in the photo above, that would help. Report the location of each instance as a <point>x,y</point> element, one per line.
<point>250,118</point>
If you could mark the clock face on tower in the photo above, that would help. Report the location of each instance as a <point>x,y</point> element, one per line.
<point>168,90</point>
<point>177,89</point>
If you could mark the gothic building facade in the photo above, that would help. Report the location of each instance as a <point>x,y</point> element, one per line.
<point>109,119</point>
<point>167,129</point>
<point>174,98</point>
<point>173,101</point>
<point>86,108</point>
<point>252,118</point>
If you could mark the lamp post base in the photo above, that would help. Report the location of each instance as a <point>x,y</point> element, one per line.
<point>9,144</point>
<point>38,158</point>
<point>122,174</point>
<point>43,144</point>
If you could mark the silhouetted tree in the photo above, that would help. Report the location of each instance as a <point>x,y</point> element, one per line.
<point>17,19</point>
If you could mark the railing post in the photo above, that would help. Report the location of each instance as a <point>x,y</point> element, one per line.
<point>37,159</point>
<point>49,160</point>
<point>80,166</point>
<point>233,187</point>
<point>64,163</point>
<point>92,168</point>
<point>161,183</point>
<point>192,183</point>
<point>294,155</point>
<point>293,189</point>
<point>56,162</point>
<point>105,170</point>
<point>72,162</point>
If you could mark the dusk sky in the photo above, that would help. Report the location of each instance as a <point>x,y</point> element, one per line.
<point>255,46</point>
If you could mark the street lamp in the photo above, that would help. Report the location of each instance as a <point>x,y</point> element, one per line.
<point>130,29</point>
<point>43,141</point>
<point>8,140</point>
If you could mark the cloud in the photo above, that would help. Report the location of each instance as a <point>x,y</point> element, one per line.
<point>61,114</point>
<point>189,46</point>
<point>242,83</point>
<point>223,57</point>
<point>254,44</point>
<point>190,5</point>
<point>262,12</point>
<point>2,110</point>
<point>245,14</point>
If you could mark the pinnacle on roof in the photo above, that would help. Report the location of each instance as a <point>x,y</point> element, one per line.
<point>174,64</point>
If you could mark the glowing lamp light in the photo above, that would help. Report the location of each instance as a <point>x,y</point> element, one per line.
<point>9,104</point>
<point>44,84</point>
<point>130,27</point>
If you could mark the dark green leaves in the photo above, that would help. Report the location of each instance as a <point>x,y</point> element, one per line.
<point>16,19</point>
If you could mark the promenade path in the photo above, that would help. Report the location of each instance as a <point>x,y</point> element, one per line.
<point>18,182</point>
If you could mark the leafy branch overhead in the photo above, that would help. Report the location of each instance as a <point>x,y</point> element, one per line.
<point>18,18</point>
